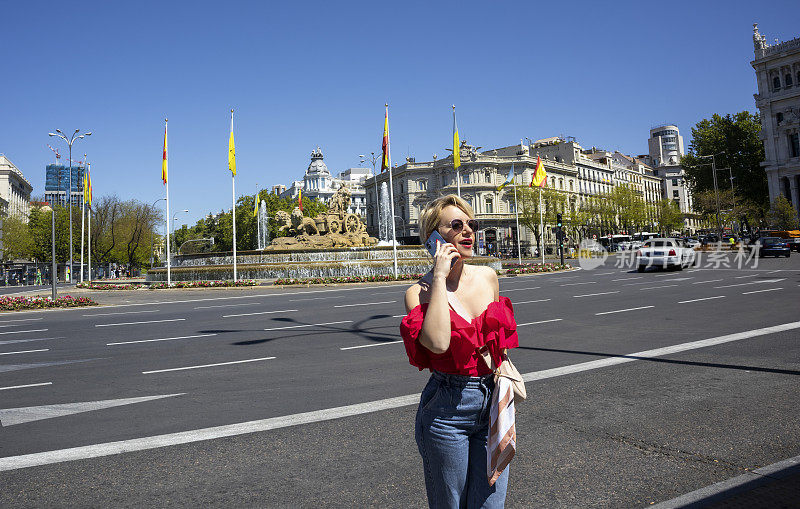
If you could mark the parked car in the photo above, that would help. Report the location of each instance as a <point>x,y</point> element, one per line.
<point>666,253</point>
<point>773,246</point>
<point>690,242</point>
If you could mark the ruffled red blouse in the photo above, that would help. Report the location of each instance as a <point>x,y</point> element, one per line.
<point>495,327</point>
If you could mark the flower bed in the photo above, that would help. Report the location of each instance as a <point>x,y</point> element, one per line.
<point>346,279</point>
<point>533,268</point>
<point>38,302</point>
<point>204,284</point>
<point>110,286</point>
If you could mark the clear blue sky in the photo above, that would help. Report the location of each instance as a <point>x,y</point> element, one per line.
<point>302,74</point>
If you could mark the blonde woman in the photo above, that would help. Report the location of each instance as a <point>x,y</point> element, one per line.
<point>453,415</point>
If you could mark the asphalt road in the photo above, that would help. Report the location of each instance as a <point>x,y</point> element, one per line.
<point>234,397</point>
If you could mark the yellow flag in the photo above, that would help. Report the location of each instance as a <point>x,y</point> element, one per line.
<point>540,175</point>
<point>164,157</point>
<point>456,143</point>
<point>255,206</point>
<point>231,155</point>
<point>85,188</point>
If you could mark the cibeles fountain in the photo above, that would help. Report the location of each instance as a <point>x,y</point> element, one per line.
<point>333,244</point>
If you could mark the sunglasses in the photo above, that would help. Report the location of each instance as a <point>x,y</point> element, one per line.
<point>457,225</point>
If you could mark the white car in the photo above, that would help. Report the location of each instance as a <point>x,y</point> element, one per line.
<point>666,253</point>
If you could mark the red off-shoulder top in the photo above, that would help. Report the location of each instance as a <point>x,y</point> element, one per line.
<point>495,327</point>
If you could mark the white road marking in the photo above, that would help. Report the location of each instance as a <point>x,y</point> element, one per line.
<point>160,339</point>
<point>261,313</point>
<point>749,275</point>
<point>12,416</point>
<point>709,281</point>
<point>623,310</point>
<point>638,284</point>
<point>759,291</point>
<point>657,287</point>
<point>241,428</point>
<point>530,301</point>
<point>25,351</point>
<point>604,273</point>
<point>567,277</point>
<point>313,298</point>
<point>24,331</point>
<point>11,341</point>
<point>123,313</point>
<point>521,289</point>
<point>308,325</point>
<point>575,284</point>
<point>662,275</point>
<point>698,300</point>
<point>746,284</point>
<point>594,294</point>
<point>773,271</point>
<point>364,304</point>
<point>540,321</point>
<point>399,316</point>
<point>373,344</point>
<point>25,386</point>
<point>22,320</point>
<point>139,323</point>
<point>207,365</point>
<point>229,305</point>
<point>627,278</point>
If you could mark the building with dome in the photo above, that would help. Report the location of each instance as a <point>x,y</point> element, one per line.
<point>318,183</point>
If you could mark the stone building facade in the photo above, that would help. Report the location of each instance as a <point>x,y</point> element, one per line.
<point>15,189</point>
<point>777,68</point>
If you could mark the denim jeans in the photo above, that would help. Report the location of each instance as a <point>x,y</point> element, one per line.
<point>451,431</point>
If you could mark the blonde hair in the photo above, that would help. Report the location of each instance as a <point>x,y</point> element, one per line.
<point>429,219</point>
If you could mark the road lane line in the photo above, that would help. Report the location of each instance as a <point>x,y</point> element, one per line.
<point>698,300</point>
<point>576,284</point>
<point>138,323</point>
<point>11,341</point>
<point>624,310</point>
<point>604,273</point>
<point>627,278</point>
<point>365,304</point>
<point>313,298</point>
<point>399,316</point>
<point>373,344</point>
<point>749,275</point>
<point>709,281</point>
<point>124,313</point>
<point>25,386</point>
<point>309,325</point>
<point>529,301</point>
<point>521,289</point>
<point>594,294</point>
<point>759,291</point>
<point>24,331</point>
<point>260,313</point>
<point>750,283</point>
<point>657,287</point>
<point>540,321</point>
<point>160,339</point>
<point>256,426</point>
<point>25,351</point>
<point>207,365</point>
<point>229,305</point>
<point>566,277</point>
<point>22,320</point>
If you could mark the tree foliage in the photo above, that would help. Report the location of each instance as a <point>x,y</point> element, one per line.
<point>782,215</point>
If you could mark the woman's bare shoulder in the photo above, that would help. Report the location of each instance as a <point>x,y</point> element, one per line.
<point>414,295</point>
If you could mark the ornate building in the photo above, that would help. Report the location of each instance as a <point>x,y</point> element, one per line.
<point>15,189</point>
<point>320,184</point>
<point>777,68</point>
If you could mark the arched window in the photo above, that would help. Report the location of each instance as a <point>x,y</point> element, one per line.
<point>561,184</point>
<point>570,186</point>
<point>776,84</point>
<point>788,80</point>
<point>488,176</point>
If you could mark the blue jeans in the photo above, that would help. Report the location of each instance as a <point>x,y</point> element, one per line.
<point>451,431</point>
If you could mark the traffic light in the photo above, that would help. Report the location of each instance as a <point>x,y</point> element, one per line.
<point>558,219</point>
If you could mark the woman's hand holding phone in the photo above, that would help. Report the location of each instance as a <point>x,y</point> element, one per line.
<point>445,257</point>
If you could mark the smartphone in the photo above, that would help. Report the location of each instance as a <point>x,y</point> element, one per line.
<point>431,244</point>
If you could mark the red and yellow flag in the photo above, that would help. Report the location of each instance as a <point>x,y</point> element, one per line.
<point>456,142</point>
<point>300,200</point>
<point>385,144</point>
<point>540,175</point>
<point>164,157</point>
<point>89,186</point>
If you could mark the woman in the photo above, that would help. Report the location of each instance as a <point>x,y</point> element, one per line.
<point>453,414</point>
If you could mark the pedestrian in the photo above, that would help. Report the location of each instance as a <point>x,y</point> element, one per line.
<point>453,416</point>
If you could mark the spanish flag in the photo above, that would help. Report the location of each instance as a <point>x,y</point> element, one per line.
<point>509,178</point>
<point>385,144</point>
<point>456,142</point>
<point>164,157</point>
<point>231,153</point>
<point>300,200</point>
<point>255,206</point>
<point>540,175</point>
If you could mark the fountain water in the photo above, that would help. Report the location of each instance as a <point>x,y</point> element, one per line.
<point>386,212</point>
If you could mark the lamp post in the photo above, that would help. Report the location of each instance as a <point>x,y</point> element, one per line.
<point>151,233</point>
<point>174,218</point>
<point>374,159</point>
<point>70,141</point>
<point>716,189</point>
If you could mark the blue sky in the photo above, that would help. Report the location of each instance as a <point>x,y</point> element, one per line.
<point>304,74</point>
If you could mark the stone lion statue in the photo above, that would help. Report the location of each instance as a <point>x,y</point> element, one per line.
<point>284,221</point>
<point>302,224</point>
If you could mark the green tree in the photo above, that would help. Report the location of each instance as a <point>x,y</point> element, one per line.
<point>736,139</point>
<point>782,215</point>
<point>17,239</point>
<point>669,217</point>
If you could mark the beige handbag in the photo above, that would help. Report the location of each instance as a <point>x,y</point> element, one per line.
<point>506,369</point>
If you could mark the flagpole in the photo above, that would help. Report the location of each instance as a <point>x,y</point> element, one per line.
<point>233,210</point>
<point>516,209</point>
<point>541,225</point>
<point>258,223</point>
<point>89,242</point>
<point>166,220</point>
<point>83,210</point>
<point>391,194</point>
<point>458,172</point>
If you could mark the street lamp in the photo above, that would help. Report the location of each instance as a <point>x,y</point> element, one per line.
<point>374,159</point>
<point>70,141</point>
<point>151,232</point>
<point>716,190</point>
<point>174,218</point>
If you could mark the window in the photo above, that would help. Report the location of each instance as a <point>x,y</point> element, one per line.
<point>776,84</point>
<point>489,205</point>
<point>779,118</point>
<point>570,186</point>
<point>675,193</point>
<point>487,175</point>
<point>794,145</point>
<point>423,185</point>
<point>674,182</point>
<point>465,178</point>
<point>788,80</point>
<point>561,184</point>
